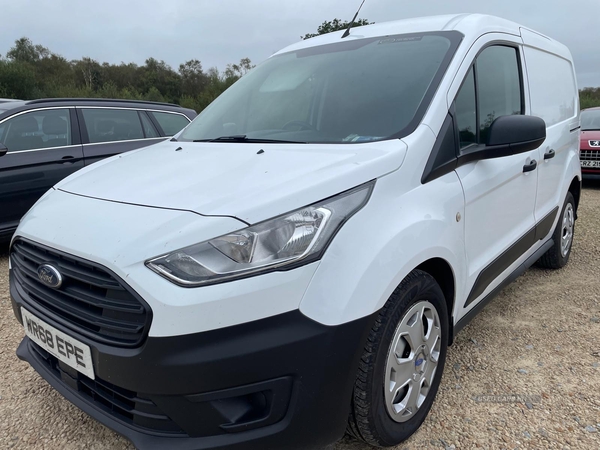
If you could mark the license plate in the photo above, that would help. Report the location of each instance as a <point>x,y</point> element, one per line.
<point>590,163</point>
<point>68,350</point>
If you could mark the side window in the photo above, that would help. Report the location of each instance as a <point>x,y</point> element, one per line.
<point>498,86</point>
<point>149,130</point>
<point>170,123</point>
<point>37,130</point>
<point>552,87</point>
<point>109,125</point>
<point>466,111</point>
<point>491,89</point>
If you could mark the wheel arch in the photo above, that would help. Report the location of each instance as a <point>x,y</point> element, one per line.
<point>575,189</point>
<point>392,236</point>
<point>444,276</point>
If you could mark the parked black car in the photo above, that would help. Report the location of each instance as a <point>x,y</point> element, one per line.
<point>43,141</point>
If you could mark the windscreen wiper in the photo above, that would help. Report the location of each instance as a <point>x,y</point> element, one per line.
<point>243,138</point>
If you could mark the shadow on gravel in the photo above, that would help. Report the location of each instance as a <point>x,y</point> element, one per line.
<point>3,249</point>
<point>591,184</point>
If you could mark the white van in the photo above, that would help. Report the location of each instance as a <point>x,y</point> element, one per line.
<point>295,263</point>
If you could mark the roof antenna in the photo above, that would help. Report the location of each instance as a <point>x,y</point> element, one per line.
<point>347,32</point>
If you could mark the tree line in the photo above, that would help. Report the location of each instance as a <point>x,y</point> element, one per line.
<point>589,97</point>
<point>30,71</point>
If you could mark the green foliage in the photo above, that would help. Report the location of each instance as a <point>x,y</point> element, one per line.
<point>193,79</point>
<point>17,79</point>
<point>25,51</point>
<point>32,71</point>
<point>330,26</point>
<point>154,95</point>
<point>589,97</point>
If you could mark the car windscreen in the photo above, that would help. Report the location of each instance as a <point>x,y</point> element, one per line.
<point>590,120</point>
<point>353,91</point>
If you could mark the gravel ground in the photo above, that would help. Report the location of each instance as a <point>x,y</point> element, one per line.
<point>539,340</point>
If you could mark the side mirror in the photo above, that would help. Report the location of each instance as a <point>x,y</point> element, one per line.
<point>507,136</point>
<point>519,133</point>
<point>3,149</point>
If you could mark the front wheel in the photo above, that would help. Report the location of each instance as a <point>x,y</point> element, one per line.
<point>402,364</point>
<point>558,255</point>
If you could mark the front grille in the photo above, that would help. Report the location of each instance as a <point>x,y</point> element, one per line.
<point>127,406</point>
<point>589,155</point>
<point>91,301</point>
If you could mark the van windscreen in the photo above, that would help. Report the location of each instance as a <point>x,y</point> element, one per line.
<point>352,91</point>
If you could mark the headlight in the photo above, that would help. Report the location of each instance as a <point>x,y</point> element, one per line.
<point>295,238</point>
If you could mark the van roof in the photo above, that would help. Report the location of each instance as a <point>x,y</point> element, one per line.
<point>468,24</point>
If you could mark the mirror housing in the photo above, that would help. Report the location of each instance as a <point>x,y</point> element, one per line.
<point>521,133</point>
<point>3,149</point>
<point>507,136</point>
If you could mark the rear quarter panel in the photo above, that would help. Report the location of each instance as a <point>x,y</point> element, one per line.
<point>554,97</point>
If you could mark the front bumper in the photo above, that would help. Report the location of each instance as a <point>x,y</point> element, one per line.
<point>280,382</point>
<point>590,174</point>
<point>592,154</point>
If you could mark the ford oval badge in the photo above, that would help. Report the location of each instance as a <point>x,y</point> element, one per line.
<point>50,276</point>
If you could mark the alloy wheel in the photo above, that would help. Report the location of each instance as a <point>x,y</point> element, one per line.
<point>412,361</point>
<point>568,223</point>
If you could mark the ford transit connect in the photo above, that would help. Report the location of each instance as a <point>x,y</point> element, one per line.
<point>296,262</point>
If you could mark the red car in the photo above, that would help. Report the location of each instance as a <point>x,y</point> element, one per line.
<point>589,145</point>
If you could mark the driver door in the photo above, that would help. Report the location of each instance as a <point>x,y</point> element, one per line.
<point>499,193</point>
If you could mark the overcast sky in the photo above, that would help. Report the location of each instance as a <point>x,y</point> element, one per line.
<point>218,32</point>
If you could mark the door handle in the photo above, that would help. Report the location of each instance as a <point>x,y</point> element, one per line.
<point>549,154</point>
<point>530,167</point>
<point>67,159</point>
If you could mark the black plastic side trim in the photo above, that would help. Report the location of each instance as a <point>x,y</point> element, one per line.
<point>443,155</point>
<point>510,255</point>
<point>500,264</point>
<point>545,225</point>
<point>512,277</point>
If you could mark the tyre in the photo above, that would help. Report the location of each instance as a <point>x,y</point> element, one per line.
<point>558,255</point>
<point>402,364</point>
